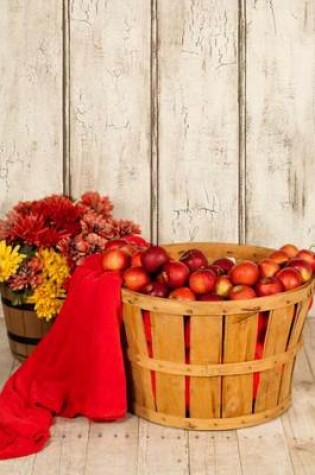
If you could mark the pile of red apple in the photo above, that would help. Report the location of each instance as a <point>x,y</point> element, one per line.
<point>150,270</point>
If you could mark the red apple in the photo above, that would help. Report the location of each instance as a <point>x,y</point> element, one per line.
<point>223,286</point>
<point>246,273</point>
<point>202,281</point>
<point>182,293</point>
<point>308,256</point>
<point>156,289</point>
<point>136,259</point>
<point>290,249</point>
<point>242,292</point>
<point>280,257</point>
<point>128,248</point>
<point>115,259</point>
<point>268,267</point>
<point>226,264</point>
<point>154,258</point>
<point>136,278</point>
<point>290,278</point>
<point>210,297</point>
<point>303,267</point>
<point>115,244</point>
<point>268,286</point>
<point>216,269</point>
<point>194,259</point>
<point>175,274</point>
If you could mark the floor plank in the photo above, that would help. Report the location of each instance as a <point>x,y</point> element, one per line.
<point>264,450</point>
<point>208,453</point>
<point>66,449</point>
<point>113,448</point>
<point>299,421</point>
<point>162,450</point>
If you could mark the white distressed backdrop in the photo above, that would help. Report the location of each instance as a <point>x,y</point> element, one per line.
<point>197,117</point>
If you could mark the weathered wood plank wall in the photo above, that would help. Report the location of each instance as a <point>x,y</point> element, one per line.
<point>197,117</point>
<point>280,120</point>
<point>31,159</point>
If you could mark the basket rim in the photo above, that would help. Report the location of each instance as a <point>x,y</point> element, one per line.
<point>227,307</point>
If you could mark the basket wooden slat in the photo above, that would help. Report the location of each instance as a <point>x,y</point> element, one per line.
<point>218,362</point>
<point>278,330</point>
<point>239,345</point>
<point>137,344</point>
<point>205,348</point>
<point>295,336</point>
<point>168,343</point>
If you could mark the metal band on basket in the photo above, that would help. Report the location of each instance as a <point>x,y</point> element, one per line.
<point>26,340</point>
<point>23,306</point>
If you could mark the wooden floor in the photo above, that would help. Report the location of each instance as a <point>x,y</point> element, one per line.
<point>134,446</point>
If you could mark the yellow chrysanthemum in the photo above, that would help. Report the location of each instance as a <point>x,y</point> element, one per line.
<point>55,266</point>
<point>47,299</point>
<point>10,259</point>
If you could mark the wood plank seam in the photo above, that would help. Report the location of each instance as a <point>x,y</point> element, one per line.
<point>66,98</point>
<point>242,118</point>
<point>154,61</point>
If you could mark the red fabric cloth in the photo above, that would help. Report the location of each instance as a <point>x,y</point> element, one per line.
<point>77,369</point>
<point>136,239</point>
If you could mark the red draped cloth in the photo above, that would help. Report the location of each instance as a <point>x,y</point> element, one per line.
<point>77,369</point>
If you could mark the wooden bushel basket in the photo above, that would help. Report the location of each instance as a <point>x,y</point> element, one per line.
<point>221,366</point>
<point>24,328</point>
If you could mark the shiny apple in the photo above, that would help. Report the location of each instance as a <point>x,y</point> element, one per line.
<point>182,293</point>
<point>290,249</point>
<point>223,286</point>
<point>156,289</point>
<point>115,259</point>
<point>290,278</point>
<point>154,258</point>
<point>202,281</point>
<point>308,256</point>
<point>175,274</point>
<point>268,267</point>
<point>194,259</point>
<point>225,263</point>
<point>242,292</point>
<point>268,286</point>
<point>280,257</point>
<point>303,267</point>
<point>115,244</point>
<point>135,278</point>
<point>245,272</point>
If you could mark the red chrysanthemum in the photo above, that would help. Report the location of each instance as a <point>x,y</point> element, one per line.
<point>26,229</point>
<point>59,212</point>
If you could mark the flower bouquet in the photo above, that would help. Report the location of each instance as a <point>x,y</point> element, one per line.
<point>42,242</point>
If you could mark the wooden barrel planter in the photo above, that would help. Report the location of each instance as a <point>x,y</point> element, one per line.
<point>216,380</point>
<point>24,328</point>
